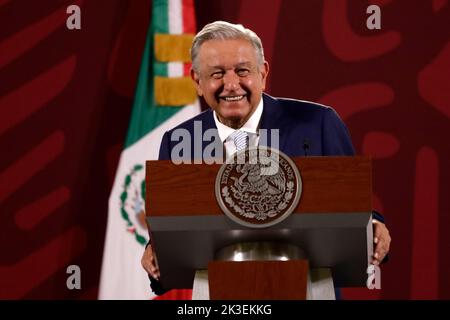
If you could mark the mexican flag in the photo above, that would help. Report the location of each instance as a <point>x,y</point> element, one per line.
<point>165,97</point>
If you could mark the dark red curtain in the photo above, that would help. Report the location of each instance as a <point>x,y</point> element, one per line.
<point>66,97</point>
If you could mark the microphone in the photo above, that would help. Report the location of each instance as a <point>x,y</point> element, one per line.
<point>306,144</point>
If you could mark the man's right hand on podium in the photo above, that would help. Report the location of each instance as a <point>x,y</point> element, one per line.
<point>149,262</point>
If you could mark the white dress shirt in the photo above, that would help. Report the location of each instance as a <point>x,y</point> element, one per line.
<point>251,127</point>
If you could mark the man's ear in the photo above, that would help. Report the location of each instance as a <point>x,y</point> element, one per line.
<point>196,78</point>
<point>264,73</point>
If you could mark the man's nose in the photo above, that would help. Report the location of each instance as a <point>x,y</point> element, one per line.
<point>231,81</point>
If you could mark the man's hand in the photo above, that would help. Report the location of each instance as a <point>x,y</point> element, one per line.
<point>149,263</point>
<point>382,241</point>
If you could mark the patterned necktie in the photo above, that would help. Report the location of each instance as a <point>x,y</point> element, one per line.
<point>240,139</point>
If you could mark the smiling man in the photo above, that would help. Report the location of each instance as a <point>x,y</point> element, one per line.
<point>231,76</point>
<point>230,73</point>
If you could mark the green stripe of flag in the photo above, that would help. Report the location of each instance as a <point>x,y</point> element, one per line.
<point>146,115</point>
<point>160,20</point>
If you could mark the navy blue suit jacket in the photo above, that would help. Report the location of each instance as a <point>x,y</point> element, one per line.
<point>299,123</point>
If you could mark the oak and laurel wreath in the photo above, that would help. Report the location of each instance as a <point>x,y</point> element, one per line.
<point>282,205</point>
<point>123,198</point>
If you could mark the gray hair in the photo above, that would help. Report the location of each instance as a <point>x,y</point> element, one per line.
<point>221,30</point>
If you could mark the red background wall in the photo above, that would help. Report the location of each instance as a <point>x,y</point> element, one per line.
<point>66,96</point>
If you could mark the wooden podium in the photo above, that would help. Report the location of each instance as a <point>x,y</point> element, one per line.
<point>332,225</point>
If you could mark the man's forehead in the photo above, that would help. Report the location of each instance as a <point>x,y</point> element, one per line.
<point>226,46</point>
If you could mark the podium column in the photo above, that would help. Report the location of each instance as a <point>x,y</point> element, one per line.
<point>319,285</point>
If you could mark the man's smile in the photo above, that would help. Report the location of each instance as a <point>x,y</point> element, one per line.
<point>233,98</point>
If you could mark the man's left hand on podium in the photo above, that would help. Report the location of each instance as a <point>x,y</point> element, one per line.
<point>382,241</point>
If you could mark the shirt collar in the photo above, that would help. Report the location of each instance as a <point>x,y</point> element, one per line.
<point>251,126</point>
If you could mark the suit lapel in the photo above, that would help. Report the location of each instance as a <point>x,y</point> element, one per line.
<point>272,119</point>
<point>209,123</point>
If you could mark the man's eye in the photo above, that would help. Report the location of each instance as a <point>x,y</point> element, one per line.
<point>217,75</point>
<point>243,72</point>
